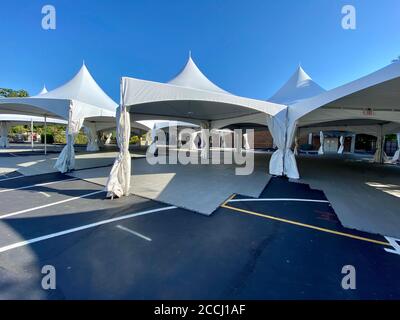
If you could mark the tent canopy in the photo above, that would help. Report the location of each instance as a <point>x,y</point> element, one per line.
<point>81,92</point>
<point>189,95</point>
<point>299,86</point>
<point>18,118</point>
<point>375,96</point>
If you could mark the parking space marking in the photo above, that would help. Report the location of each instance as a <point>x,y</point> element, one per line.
<point>49,204</point>
<point>277,199</point>
<point>45,194</point>
<point>133,232</point>
<point>12,178</point>
<point>76,229</point>
<point>348,235</point>
<point>37,185</point>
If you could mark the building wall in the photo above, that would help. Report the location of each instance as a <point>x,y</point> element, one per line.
<point>262,139</point>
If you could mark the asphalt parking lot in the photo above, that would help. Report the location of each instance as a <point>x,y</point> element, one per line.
<point>278,247</point>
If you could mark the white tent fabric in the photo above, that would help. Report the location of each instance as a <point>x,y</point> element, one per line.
<point>283,161</point>
<point>296,146</point>
<point>153,146</point>
<point>43,91</point>
<point>341,147</point>
<point>191,77</point>
<point>299,86</point>
<point>246,142</point>
<point>79,99</point>
<point>14,119</point>
<point>189,96</point>
<point>4,134</point>
<point>226,136</point>
<point>396,156</point>
<point>91,134</point>
<point>118,183</point>
<point>321,142</point>
<point>378,90</point>
<point>205,141</point>
<point>108,138</point>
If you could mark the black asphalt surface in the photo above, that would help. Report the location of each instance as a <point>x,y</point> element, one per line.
<point>229,255</point>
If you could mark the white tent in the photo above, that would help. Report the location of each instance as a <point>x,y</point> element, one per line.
<point>8,120</point>
<point>80,99</point>
<point>375,96</point>
<point>189,96</point>
<point>299,86</point>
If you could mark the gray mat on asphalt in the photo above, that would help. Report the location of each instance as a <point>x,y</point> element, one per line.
<point>200,188</point>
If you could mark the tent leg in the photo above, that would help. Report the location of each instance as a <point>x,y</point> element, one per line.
<point>45,135</point>
<point>32,134</point>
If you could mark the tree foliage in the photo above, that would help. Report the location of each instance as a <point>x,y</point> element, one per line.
<point>10,93</point>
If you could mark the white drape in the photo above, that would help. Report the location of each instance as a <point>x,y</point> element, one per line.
<point>246,141</point>
<point>283,161</point>
<point>66,159</point>
<point>321,142</point>
<point>226,140</point>
<point>3,134</point>
<point>205,140</point>
<point>153,146</point>
<point>296,146</point>
<point>108,138</point>
<point>396,156</point>
<point>341,148</point>
<point>193,140</point>
<point>118,183</point>
<point>91,134</point>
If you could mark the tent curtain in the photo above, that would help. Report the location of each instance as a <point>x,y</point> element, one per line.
<point>321,142</point>
<point>283,161</point>
<point>3,134</point>
<point>91,134</point>
<point>205,140</point>
<point>246,141</point>
<point>118,183</point>
<point>225,140</point>
<point>66,159</point>
<point>153,146</point>
<point>296,146</point>
<point>108,138</point>
<point>341,148</point>
<point>193,139</point>
<point>396,156</point>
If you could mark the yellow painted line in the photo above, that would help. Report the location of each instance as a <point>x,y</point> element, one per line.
<point>227,200</point>
<point>348,235</point>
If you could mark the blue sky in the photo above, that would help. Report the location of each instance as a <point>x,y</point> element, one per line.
<point>249,48</point>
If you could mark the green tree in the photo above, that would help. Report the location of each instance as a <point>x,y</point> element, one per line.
<point>10,93</point>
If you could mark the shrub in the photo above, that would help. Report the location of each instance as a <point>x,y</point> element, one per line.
<point>49,138</point>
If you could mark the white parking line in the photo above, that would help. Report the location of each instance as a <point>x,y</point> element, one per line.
<point>133,232</point>
<point>49,205</point>
<point>277,199</point>
<point>37,185</point>
<point>45,194</point>
<point>87,226</point>
<point>12,178</point>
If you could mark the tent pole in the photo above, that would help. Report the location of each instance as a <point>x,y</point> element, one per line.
<point>32,134</point>
<point>45,135</point>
